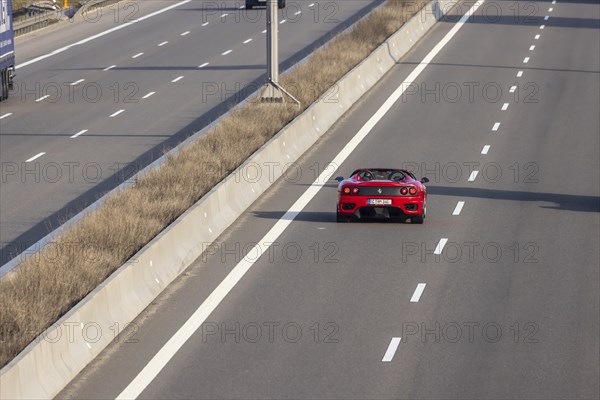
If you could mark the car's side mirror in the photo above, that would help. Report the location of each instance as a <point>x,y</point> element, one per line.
<point>424,180</point>
<point>339,178</point>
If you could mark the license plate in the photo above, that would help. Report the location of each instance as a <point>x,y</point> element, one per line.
<point>380,202</point>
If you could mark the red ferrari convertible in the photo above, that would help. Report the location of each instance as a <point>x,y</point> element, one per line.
<point>382,193</point>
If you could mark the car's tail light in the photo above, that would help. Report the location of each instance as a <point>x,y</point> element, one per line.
<point>412,191</point>
<point>355,190</point>
<point>346,190</point>
<point>404,191</point>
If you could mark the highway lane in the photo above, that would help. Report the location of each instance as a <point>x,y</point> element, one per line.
<point>155,96</point>
<point>543,296</point>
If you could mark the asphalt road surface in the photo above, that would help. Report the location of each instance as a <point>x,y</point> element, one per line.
<point>97,100</point>
<point>507,309</point>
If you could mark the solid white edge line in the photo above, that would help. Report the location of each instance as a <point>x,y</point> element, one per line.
<point>473,176</point>
<point>391,350</point>
<point>170,348</point>
<point>98,35</point>
<point>35,157</point>
<point>458,208</point>
<point>485,149</point>
<point>440,246</point>
<point>116,113</point>
<point>418,292</point>
<point>81,132</point>
<point>6,115</point>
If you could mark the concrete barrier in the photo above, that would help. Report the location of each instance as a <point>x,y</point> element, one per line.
<point>44,367</point>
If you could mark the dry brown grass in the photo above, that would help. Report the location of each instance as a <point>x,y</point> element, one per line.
<point>47,285</point>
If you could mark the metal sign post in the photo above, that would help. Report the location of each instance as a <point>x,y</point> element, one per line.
<point>272,91</point>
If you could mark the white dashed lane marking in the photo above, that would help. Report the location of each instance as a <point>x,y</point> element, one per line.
<point>6,115</point>
<point>148,95</point>
<point>109,68</point>
<point>203,65</point>
<point>116,113</point>
<point>391,350</point>
<point>458,208</point>
<point>485,149</point>
<point>79,133</point>
<point>163,43</point>
<point>440,246</point>
<point>418,292</point>
<point>35,157</point>
<point>525,60</point>
<point>42,98</point>
<point>473,176</point>
<point>504,106</point>
<point>247,41</point>
<point>137,55</point>
<point>496,127</point>
<point>77,82</point>
<point>177,79</point>
<point>226,52</point>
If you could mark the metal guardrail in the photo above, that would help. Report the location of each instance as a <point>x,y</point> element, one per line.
<point>44,19</point>
<point>37,21</point>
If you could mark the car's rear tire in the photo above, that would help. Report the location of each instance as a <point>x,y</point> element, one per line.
<point>419,219</point>
<point>339,217</point>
